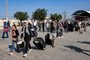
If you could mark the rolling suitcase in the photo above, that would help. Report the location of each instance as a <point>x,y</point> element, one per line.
<point>39,43</point>
<point>20,46</point>
<point>47,39</point>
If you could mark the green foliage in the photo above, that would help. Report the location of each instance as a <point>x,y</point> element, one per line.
<point>39,14</point>
<point>56,16</point>
<point>21,16</point>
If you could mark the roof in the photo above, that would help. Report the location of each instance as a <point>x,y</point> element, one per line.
<point>82,13</point>
<point>87,11</point>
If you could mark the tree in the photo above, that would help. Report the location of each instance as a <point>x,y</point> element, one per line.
<point>56,16</point>
<point>39,14</point>
<point>21,16</point>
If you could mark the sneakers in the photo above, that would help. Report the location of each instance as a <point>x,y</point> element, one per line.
<point>43,48</point>
<point>29,50</point>
<point>25,55</point>
<point>58,37</point>
<point>10,53</point>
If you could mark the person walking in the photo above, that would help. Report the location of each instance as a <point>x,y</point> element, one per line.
<point>15,35</point>
<point>66,26</point>
<point>60,30</point>
<point>52,27</point>
<point>39,25</point>
<point>43,24</point>
<point>47,26</point>
<point>5,31</point>
<point>35,25</point>
<point>8,23</point>
<point>27,38</point>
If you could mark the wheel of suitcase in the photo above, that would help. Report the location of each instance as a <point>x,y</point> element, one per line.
<point>39,43</point>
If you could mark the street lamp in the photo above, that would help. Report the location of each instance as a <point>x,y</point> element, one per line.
<point>6,10</point>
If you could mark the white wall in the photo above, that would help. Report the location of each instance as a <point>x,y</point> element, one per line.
<point>11,22</point>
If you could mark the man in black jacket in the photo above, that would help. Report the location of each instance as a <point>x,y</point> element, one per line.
<point>27,37</point>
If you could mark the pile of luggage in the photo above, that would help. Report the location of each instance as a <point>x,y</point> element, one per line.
<point>41,44</point>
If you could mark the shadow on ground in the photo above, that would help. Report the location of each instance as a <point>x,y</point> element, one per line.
<point>35,48</point>
<point>77,49</point>
<point>84,42</point>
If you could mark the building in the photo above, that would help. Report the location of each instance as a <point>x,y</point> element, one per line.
<point>81,15</point>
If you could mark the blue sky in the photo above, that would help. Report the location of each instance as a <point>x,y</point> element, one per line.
<point>53,6</point>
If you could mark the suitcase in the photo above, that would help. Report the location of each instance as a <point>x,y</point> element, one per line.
<point>39,43</point>
<point>20,46</point>
<point>49,39</point>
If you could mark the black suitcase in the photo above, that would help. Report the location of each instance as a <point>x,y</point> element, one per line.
<point>39,43</point>
<point>20,46</point>
<point>47,39</point>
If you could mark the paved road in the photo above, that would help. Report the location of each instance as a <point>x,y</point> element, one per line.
<point>73,46</point>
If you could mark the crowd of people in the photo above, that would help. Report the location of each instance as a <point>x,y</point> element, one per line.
<point>60,27</point>
<point>30,30</point>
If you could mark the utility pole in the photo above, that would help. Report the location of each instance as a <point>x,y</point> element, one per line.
<point>6,10</point>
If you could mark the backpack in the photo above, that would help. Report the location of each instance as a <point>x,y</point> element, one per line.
<point>32,32</point>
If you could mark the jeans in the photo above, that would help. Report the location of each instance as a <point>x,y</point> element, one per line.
<point>3,35</point>
<point>13,46</point>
